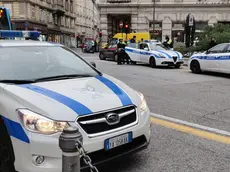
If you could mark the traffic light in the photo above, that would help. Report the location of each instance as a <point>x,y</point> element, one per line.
<point>126,28</point>
<point>1,13</point>
<point>100,34</point>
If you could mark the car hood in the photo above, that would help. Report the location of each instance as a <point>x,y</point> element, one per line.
<point>168,53</point>
<point>64,100</point>
<point>197,55</point>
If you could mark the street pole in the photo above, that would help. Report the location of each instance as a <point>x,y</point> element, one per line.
<point>68,142</point>
<point>154,14</point>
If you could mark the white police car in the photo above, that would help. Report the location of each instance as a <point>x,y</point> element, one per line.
<point>45,87</point>
<point>155,54</point>
<point>216,59</point>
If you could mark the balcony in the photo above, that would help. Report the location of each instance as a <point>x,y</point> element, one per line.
<point>118,1</point>
<point>58,7</point>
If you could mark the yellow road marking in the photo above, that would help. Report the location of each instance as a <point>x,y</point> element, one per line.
<point>191,130</point>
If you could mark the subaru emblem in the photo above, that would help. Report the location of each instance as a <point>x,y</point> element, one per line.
<point>112,118</point>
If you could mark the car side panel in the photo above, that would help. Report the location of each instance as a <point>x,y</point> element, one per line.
<point>133,53</point>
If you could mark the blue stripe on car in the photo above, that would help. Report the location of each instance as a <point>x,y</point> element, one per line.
<point>178,55</point>
<point>125,100</point>
<point>141,52</point>
<point>164,53</point>
<point>77,107</point>
<point>224,57</point>
<point>15,130</point>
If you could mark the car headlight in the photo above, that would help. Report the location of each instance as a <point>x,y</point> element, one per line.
<point>143,106</point>
<point>162,56</point>
<point>36,123</point>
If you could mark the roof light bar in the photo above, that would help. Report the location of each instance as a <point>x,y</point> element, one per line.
<point>19,34</point>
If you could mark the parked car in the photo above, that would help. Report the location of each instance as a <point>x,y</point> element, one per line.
<point>109,51</point>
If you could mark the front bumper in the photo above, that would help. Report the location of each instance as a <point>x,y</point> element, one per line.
<point>168,62</point>
<point>47,146</point>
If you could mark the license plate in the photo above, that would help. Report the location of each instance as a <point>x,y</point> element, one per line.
<point>118,141</point>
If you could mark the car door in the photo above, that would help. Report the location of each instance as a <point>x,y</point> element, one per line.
<point>133,53</point>
<point>144,53</point>
<point>224,60</point>
<point>210,61</point>
<point>111,49</point>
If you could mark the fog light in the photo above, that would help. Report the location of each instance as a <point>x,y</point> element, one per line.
<point>38,160</point>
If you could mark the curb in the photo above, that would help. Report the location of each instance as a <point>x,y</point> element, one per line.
<point>192,125</point>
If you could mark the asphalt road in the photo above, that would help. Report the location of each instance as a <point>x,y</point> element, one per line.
<point>177,93</point>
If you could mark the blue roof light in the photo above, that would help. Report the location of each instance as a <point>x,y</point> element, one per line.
<point>19,34</point>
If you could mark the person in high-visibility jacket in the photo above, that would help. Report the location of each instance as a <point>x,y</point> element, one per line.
<point>168,42</point>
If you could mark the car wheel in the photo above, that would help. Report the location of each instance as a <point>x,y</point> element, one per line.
<point>6,150</point>
<point>195,67</point>
<point>101,56</point>
<point>133,62</point>
<point>152,62</point>
<point>177,66</point>
<point>115,57</point>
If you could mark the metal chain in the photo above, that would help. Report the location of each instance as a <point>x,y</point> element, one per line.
<point>87,160</point>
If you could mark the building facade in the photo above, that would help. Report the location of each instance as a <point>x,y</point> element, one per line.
<point>87,19</point>
<point>55,19</point>
<point>168,16</point>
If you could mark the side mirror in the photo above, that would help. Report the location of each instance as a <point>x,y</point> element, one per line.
<point>146,49</point>
<point>93,64</point>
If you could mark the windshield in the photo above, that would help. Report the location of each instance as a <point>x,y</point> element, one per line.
<point>157,47</point>
<point>26,63</point>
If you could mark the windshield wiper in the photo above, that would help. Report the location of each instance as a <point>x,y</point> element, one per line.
<point>9,81</point>
<point>60,77</point>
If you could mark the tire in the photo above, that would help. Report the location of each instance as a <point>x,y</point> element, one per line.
<point>101,56</point>
<point>115,57</point>
<point>177,66</point>
<point>195,67</point>
<point>6,150</point>
<point>133,62</point>
<point>152,62</point>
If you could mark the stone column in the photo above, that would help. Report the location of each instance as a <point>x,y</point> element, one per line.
<point>166,27</point>
<point>104,27</point>
<point>134,22</point>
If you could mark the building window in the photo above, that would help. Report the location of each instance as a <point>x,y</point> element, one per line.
<point>65,21</point>
<point>71,6</point>
<point>41,14</point>
<point>62,21</point>
<point>22,9</point>
<point>66,5</point>
<point>55,19</point>
<point>9,6</point>
<point>33,10</point>
<point>50,18</point>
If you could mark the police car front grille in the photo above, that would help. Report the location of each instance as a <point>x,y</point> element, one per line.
<point>174,58</point>
<point>96,123</point>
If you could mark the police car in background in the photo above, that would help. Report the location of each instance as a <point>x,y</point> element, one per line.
<point>216,59</point>
<point>155,54</point>
<point>44,88</point>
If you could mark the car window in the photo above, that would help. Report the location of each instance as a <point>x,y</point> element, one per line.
<point>157,46</point>
<point>26,63</point>
<point>218,48</point>
<point>141,46</point>
<point>228,48</point>
<point>113,46</point>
